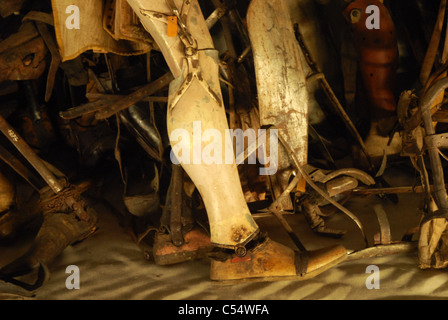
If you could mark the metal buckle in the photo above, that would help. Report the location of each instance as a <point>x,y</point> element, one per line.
<point>191,51</point>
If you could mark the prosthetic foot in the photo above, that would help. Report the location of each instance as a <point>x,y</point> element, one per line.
<point>196,245</point>
<point>269,261</point>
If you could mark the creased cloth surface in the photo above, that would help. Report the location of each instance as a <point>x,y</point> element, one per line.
<point>113,267</point>
<point>433,244</point>
<point>91,34</point>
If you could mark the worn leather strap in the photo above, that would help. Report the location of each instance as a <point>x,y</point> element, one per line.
<point>301,262</point>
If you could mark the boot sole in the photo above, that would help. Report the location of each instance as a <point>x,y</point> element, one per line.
<point>307,276</point>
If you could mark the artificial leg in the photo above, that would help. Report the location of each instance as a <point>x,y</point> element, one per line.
<point>195,106</point>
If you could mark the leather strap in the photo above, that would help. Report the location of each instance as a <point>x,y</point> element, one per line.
<point>301,262</point>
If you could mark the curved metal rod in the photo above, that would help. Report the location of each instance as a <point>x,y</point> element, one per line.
<point>433,152</point>
<point>320,191</point>
<point>352,172</point>
<point>383,250</point>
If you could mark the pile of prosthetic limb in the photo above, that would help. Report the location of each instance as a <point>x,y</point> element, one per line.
<point>145,93</point>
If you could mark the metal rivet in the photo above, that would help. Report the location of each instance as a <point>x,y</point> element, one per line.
<point>355,15</point>
<point>240,251</point>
